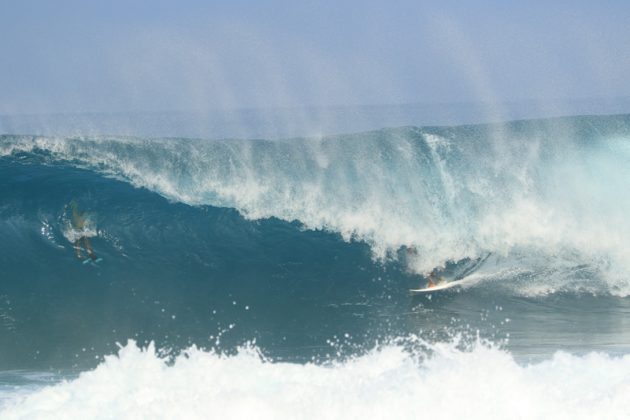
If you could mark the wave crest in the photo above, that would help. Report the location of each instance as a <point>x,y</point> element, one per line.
<point>548,188</point>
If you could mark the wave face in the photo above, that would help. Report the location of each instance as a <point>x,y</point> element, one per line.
<point>307,247</point>
<point>554,187</point>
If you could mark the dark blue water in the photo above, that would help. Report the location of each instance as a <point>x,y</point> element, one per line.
<point>171,272</point>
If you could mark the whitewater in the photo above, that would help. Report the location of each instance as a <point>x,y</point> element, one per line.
<point>269,278</point>
<point>481,383</point>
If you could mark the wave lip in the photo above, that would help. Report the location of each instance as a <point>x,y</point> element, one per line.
<point>484,382</point>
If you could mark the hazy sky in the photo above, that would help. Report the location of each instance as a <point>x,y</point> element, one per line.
<point>76,56</point>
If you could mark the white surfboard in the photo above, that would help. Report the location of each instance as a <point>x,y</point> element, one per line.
<point>466,277</point>
<point>440,286</point>
<point>89,260</point>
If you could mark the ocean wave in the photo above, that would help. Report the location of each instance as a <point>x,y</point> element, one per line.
<point>549,188</point>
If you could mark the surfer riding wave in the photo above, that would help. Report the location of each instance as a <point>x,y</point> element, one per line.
<point>433,279</point>
<point>81,230</point>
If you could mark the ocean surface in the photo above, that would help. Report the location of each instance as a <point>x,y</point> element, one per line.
<point>270,278</point>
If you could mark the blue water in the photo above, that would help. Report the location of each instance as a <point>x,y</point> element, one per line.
<point>306,248</point>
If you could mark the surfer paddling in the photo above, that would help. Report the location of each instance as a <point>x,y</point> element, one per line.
<point>80,225</point>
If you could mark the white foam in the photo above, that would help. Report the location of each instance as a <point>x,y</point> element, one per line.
<point>483,382</point>
<point>73,235</point>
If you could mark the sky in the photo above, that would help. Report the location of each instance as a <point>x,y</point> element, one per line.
<point>191,55</point>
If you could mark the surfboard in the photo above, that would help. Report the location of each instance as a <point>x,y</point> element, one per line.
<point>91,261</point>
<point>440,286</point>
<point>459,279</point>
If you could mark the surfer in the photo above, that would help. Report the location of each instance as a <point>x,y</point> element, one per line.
<point>79,224</point>
<point>432,279</point>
